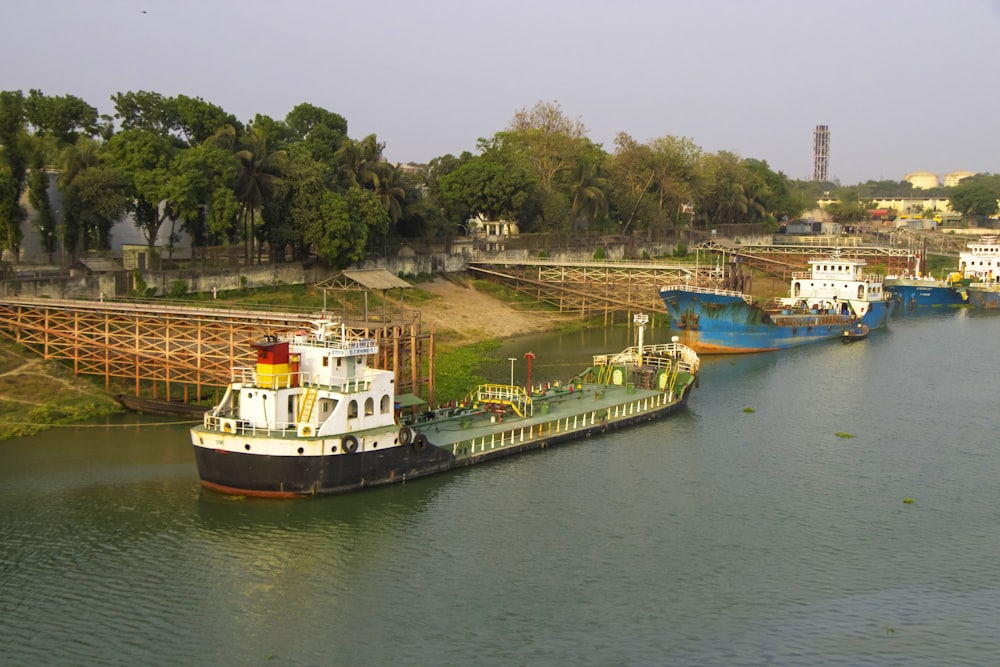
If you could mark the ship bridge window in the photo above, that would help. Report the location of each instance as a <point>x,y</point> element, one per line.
<point>369,406</point>
<point>352,409</point>
<point>386,404</point>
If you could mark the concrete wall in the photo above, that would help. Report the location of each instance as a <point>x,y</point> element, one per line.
<point>57,285</point>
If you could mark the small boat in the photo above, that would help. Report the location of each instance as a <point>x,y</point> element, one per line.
<point>858,332</point>
<point>832,297</point>
<point>311,417</point>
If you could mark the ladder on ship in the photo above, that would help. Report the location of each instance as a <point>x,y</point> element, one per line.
<point>307,404</point>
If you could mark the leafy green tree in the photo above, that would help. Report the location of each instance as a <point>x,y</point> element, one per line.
<point>486,184</point>
<point>338,237</point>
<point>201,191</point>
<point>14,156</point>
<point>322,132</point>
<point>733,194</point>
<point>93,202</point>
<point>296,217</point>
<point>850,210</point>
<point>65,117</point>
<point>145,161</point>
<point>197,120</point>
<point>976,197</point>
<point>143,110</point>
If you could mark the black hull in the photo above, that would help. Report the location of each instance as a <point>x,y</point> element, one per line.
<point>291,476</point>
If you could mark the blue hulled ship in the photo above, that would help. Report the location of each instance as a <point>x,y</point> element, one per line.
<point>910,293</point>
<point>834,296</point>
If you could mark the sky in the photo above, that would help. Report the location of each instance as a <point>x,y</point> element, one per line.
<point>904,85</point>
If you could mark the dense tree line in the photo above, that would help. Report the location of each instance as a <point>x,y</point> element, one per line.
<point>302,185</point>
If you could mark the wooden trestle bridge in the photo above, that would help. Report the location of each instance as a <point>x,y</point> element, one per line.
<point>180,353</point>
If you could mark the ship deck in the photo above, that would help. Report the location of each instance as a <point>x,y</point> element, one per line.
<point>557,413</point>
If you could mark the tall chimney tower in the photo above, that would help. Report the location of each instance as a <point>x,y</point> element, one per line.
<point>821,153</point>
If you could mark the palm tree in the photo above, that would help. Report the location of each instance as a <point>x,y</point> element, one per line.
<point>260,171</point>
<point>390,190</point>
<point>359,162</point>
<point>588,188</point>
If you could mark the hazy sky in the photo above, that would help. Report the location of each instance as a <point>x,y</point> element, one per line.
<point>904,85</point>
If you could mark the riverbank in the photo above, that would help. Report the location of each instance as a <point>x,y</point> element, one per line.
<point>463,314</point>
<point>35,394</point>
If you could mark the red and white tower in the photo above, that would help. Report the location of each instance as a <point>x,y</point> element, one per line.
<point>821,153</point>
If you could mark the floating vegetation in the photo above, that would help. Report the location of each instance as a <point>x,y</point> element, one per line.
<point>845,435</point>
<point>907,501</point>
<point>748,410</point>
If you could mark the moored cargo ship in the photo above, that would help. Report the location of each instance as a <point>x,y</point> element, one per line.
<point>311,417</point>
<point>834,296</point>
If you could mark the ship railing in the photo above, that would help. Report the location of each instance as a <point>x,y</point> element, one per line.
<point>660,355</point>
<point>338,343</point>
<point>501,395</point>
<point>863,277</point>
<point>229,423</point>
<point>249,377</point>
<point>708,290</point>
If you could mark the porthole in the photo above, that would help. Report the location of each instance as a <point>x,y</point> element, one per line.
<point>247,446</point>
<point>301,450</point>
<point>333,449</point>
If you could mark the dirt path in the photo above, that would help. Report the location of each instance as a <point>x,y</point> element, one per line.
<point>465,314</point>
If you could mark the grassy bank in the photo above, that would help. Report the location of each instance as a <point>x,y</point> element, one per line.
<point>37,394</point>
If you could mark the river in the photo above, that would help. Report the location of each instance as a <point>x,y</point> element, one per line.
<point>766,524</point>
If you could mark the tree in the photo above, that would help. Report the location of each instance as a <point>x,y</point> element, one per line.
<point>93,202</point>
<point>197,120</point>
<point>323,132</point>
<point>486,184</point>
<point>339,236</point>
<point>13,169</point>
<point>66,117</point>
<point>588,187</point>
<point>551,140</point>
<point>260,171</point>
<point>976,197</point>
<point>144,159</point>
<point>201,191</point>
<point>358,162</point>
<point>390,190</point>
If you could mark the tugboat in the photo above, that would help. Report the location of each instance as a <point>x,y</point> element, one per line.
<point>832,297</point>
<point>312,417</point>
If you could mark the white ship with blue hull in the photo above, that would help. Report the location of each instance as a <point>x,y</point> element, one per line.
<point>833,297</point>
